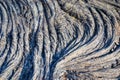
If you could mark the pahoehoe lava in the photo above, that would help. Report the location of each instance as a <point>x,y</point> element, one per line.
<point>59,39</point>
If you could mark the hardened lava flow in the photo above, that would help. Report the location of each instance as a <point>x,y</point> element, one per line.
<point>59,39</point>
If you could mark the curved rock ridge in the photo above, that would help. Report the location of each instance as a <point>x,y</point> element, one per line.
<point>59,39</point>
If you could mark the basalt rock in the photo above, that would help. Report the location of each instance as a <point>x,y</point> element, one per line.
<point>59,39</point>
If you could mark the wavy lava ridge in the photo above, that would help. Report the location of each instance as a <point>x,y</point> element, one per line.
<point>59,39</point>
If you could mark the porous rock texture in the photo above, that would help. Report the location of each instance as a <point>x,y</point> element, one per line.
<point>59,39</point>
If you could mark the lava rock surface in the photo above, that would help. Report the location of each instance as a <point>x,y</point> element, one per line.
<point>59,39</point>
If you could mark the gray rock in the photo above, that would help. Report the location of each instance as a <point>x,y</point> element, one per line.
<point>59,39</point>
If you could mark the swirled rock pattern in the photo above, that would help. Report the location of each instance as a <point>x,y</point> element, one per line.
<point>59,39</point>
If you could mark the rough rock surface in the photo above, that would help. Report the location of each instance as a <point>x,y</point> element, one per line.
<point>59,39</point>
